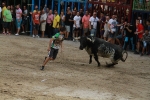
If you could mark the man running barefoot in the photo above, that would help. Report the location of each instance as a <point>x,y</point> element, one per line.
<point>54,45</point>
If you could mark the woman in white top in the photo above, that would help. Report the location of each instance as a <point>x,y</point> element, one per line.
<point>62,20</point>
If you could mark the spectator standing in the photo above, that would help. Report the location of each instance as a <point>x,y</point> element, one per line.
<point>43,22</point>
<point>106,29</point>
<point>76,25</point>
<point>24,21</point>
<point>128,33</point>
<point>0,11</point>
<point>49,28</point>
<point>0,17</point>
<point>62,19</point>
<point>85,22</point>
<point>12,10</point>
<point>139,33</point>
<point>3,9</point>
<point>102,22</point>
<point>67,23</point>
<point>120,32</point>
<point>93,24</point>
<point>18,19</point>
<point>112,29</point>
<point>36,23</point>
<point>56,22</point>
<point>73,13</point>
<point>148,24</point>
<point>81,24</point>
<point>7,19</point>
<point>35,12</point>
<point>145,41</point>
<point>47,11</point>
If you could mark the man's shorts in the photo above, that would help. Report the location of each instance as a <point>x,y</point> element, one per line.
<point>67,28</point>
<point>24,22</point>
<point>106,33</point>
<point>102,32</point>
<point>112,35</point>
<point>18,23</point>
<point>53,53</point>
<point>36,26</point>
<point>144,44</point>
<point>139,39</point>
<point>76,29</point>
<point>93,32</point>
<point>8,25</point>
<point>4,24</point>
<point>119,36</point>
<point>85,30</point>
<point>43,27</point>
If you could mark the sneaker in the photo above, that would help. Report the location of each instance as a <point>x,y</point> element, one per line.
<point>42,68</point>
<point>22,32</point>
<point>37,36</point>
<point>16,34</point>
<point>33,36</point>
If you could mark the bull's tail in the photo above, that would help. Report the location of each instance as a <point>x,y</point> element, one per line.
<point>124,59</point>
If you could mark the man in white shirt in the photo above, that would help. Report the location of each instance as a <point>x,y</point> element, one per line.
<point>93,24</point>
<point>43,22</point>
<point>112,29</point>
<point>76,25</point>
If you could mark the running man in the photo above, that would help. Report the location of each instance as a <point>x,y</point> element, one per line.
<point>54,44</point>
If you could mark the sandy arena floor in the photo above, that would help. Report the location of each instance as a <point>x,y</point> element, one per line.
<point>69,77</point>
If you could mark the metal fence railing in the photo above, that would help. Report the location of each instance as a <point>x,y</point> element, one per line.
<point>141,5</point>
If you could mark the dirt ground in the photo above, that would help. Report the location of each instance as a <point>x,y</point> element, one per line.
<point>69,77</point>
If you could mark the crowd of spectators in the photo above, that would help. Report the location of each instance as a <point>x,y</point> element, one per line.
<point>134,37</point>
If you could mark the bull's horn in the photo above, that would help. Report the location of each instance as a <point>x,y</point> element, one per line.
<point>89,39</point>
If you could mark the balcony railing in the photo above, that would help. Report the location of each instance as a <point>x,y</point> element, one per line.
<point>141,5</point>
<point>126,2</point>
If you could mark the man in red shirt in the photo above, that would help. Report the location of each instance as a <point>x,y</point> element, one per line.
<point>85,23</point>
<point>139,33</point>
<point>36,23</point>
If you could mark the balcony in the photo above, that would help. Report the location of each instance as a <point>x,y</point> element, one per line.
<point>141,5</point>
<point>118,2</point>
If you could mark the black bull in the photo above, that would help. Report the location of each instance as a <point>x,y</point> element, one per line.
<point>99,47</point>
